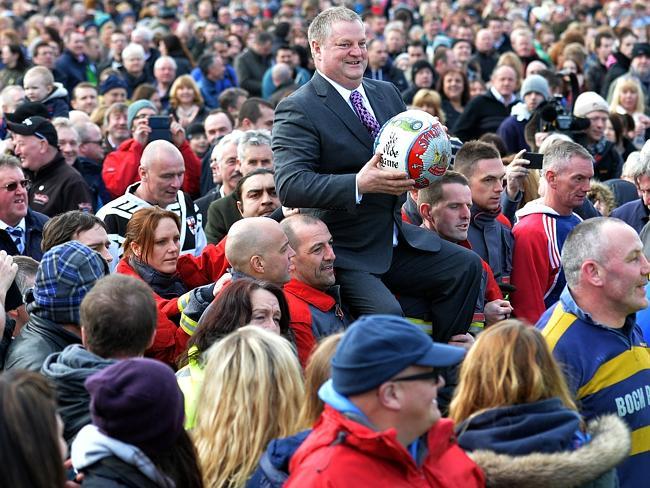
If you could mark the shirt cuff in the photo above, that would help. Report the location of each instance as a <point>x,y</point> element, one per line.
<point>357,196</point>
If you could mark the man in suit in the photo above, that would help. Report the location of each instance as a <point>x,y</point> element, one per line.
<point>20,227</point>
<point>324,161</point>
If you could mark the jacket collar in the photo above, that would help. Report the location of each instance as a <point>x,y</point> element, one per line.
<point>319,299</point>
<point>569,305</point>
<point>50,167</point>
<point>340,108</point>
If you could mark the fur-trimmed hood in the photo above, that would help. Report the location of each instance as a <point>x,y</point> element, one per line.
<point>609,446</point>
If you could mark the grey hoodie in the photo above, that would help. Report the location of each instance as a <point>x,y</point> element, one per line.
<point>67,371</point>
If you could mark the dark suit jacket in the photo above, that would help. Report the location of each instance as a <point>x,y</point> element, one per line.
<point>34,222</point>
<point>222,213</point>
<point>319,145</point>
<point>204,203</point>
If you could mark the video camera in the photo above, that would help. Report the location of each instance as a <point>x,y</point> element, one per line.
<point>555,117</point>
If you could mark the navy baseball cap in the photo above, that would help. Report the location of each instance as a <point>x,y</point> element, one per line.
<point>377,347</point>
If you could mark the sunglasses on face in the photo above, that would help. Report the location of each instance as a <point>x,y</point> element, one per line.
<point>14,186</point>
<point>432,375</point>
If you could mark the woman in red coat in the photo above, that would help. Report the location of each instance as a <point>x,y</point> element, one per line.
<point>151,253</point>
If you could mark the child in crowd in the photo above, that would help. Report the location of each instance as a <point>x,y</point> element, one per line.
<point>40,86</point>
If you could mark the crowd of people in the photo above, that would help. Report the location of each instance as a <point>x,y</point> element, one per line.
<point>208,279</point>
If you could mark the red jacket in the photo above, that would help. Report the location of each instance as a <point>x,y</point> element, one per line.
<point>300,296</point>
<point>120,168</point>
<point>170,340</point>
<point>206,268</point>
<point>341,452</point>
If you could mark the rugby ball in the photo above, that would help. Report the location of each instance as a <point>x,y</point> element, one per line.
<point>416,143</point>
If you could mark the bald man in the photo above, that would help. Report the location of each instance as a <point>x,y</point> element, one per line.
<point>161,171</point>
<point>258,247</point>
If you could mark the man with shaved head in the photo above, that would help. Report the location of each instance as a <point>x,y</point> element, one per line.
<point>258,247</point>
<point>161,176</point>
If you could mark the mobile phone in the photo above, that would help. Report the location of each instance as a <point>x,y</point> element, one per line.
<point>14,299</point>
<point>159,125</point>
<point>535,159</point>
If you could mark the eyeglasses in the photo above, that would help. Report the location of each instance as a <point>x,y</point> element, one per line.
<point>432,375</point>
<point>99,142</point>
<point>14,186</point>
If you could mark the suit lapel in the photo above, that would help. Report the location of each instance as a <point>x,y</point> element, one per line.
<point>377,102</point>
<point>339,107</point>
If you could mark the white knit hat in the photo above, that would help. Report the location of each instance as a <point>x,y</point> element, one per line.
<point>588,102</point>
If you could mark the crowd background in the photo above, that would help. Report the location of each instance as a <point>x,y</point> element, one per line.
<point>141,235</point>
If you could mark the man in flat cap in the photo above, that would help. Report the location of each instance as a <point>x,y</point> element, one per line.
<point>381,425</point>
<point>55,186</point>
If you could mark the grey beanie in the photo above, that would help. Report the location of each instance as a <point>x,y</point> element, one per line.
<point>536,83</point>
<point>135,107</point>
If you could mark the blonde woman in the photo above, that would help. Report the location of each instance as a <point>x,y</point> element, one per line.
<point>251,394</point>
<point>429,101</point>
<point>518,421</point>
<point>186,102</point>
<point>627,98</point>
<point>273,468</point>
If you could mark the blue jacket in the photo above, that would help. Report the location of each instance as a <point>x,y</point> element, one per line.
<point>72,70</point>
<point>633,213</point>
<point>92,173</point>
<point>210,90</point>
<point>273,469</point>
<point>268,87</point>
<point>511,131</point>
<point>544,426</point>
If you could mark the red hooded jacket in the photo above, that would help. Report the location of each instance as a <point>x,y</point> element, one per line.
<point>342,452</point>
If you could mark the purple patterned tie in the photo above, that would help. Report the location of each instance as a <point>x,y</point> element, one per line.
<point>367,119</point>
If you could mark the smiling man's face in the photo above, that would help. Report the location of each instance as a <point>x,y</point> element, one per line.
<point>343,56</point>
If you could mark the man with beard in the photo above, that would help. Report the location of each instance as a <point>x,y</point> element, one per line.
<point>255,194</point>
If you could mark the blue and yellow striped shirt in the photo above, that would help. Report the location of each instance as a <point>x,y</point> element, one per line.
<point>608,370</point>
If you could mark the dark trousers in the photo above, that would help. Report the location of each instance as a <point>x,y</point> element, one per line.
<point>448,281</point>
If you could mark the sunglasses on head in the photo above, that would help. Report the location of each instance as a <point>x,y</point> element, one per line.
<point>14,186</point>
